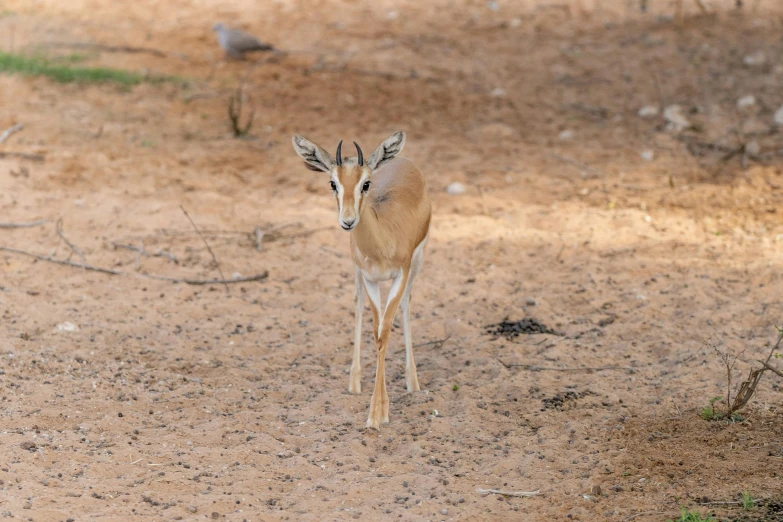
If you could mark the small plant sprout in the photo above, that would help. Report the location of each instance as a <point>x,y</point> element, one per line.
<point>709,412</point>
<point>747,501</point>
<point>454,388</point>
<point>692,516</point>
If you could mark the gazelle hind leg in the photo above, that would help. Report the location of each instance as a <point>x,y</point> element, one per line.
<point>411,377</point>
<point>355,383</point>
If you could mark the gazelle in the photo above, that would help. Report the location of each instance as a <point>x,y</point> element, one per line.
<point>383,202</point>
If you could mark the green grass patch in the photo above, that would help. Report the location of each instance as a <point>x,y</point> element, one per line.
<point>62,71</point>
<point>747,501</point>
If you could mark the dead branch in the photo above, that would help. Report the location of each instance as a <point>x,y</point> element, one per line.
<point>58,226</point>
<point>140,251</point>
<point>24,224</point>
<point>770,368</point>
<point>60,261</point>
<point>508,493</point>
<point>259,235</point>
<point>439,342</point>
<point>257,277</point>
<point>112,48</point>
<point>9,131</point>
<point>534,368</point>
<point>23,155</point>
<point>214,258</point>
<point>235,114</point>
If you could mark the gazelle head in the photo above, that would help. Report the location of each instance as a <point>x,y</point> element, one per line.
<point>350,178</point>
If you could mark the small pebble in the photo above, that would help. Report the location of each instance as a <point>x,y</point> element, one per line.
<point>778,118</point>
<point>566,134</point>
<point>647,155</point>
<point>456,188</point>
<point>444,511</point>
<point>405,483</point>
<point>746,101</point>
<point>648,111</point>
<point>755,59</point>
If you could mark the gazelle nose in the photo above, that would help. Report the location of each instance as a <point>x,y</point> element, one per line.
<point>349,222</point>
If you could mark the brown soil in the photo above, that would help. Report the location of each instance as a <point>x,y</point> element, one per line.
<point>172,401</point>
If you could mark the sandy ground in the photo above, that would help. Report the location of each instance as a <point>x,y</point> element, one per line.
<point>126,397</point>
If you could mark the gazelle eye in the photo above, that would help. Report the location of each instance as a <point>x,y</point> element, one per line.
<point>333,185</point>
<point>366,186</point>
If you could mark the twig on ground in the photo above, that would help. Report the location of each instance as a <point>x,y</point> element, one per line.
<point>725,503</point>
<point>256,277</point>
<point>235,114</point>
<point>113,48</point>
<point>214,258</point>
<point>60,261</point>
<point>534,368</point>
<point>23,155</point>
<point>142,252</point>
<point>58,226</point>
<point>439,342</point>
<point>508,493</point>
<point>643,514</point>
<point>23,224</point>
<point>9,131</point>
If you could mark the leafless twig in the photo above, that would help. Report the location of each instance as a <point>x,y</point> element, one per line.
<point>23,155</point>
<point>58,226</point>
<point>24,224</point>
<point>508,493</point>
<point>235,114</point>
<point>60,261</point>
<point>256,277</point>
<point>142,252</point>
<point>534,368</point>
<point>9,131</point>
<point>439,342</point>
<point>259,235</point>
<point>214,258</point>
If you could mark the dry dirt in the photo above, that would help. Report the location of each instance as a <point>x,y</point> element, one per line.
<point>126,397</point>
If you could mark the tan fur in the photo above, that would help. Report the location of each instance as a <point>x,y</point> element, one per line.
<point>389,228</point>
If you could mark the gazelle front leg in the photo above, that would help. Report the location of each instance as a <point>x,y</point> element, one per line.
<point>355,384</point>
<point>379,404</point>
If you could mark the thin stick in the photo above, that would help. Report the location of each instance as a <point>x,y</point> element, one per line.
<point>534,368</point>
<point>108,48</point>
<point>60,261</point>
<point>508,493</point>
<point>214,258</point>
<point>439,342</point>
<point>773,370</point>
<point>257,277</point>
<point>259,234</point>
<point>140,250</point>
<point>23,155</point>
<point>642,514</point>
<point>58,226</point>
<point>9,131</point>
<point>27,224</point>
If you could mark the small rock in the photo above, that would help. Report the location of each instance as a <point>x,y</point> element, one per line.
<point>755,59</point>
<point>498,92</point>
<point>66,327</point>
<point>648,111</point>
<point>746,101</point>
<point>647,155</point>
<point>779,116</point>
<point>215,515</point>
<point>753,148</point>
<point>566,134</point>
<point>456,188</point>
<point>530,301</point>
<point>405,483</point>
<point>492,5</point>
<point>392,15</point>
<point>514,22</point>
<point>596,491</point>
<point>192,509</point>
<point>675,118</point>
<point>444,511</point>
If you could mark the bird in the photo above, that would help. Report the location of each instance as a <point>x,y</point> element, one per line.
<point>236,43</point>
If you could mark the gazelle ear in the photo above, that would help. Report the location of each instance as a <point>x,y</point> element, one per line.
<point>390,147</point>
<point>315,157</point>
